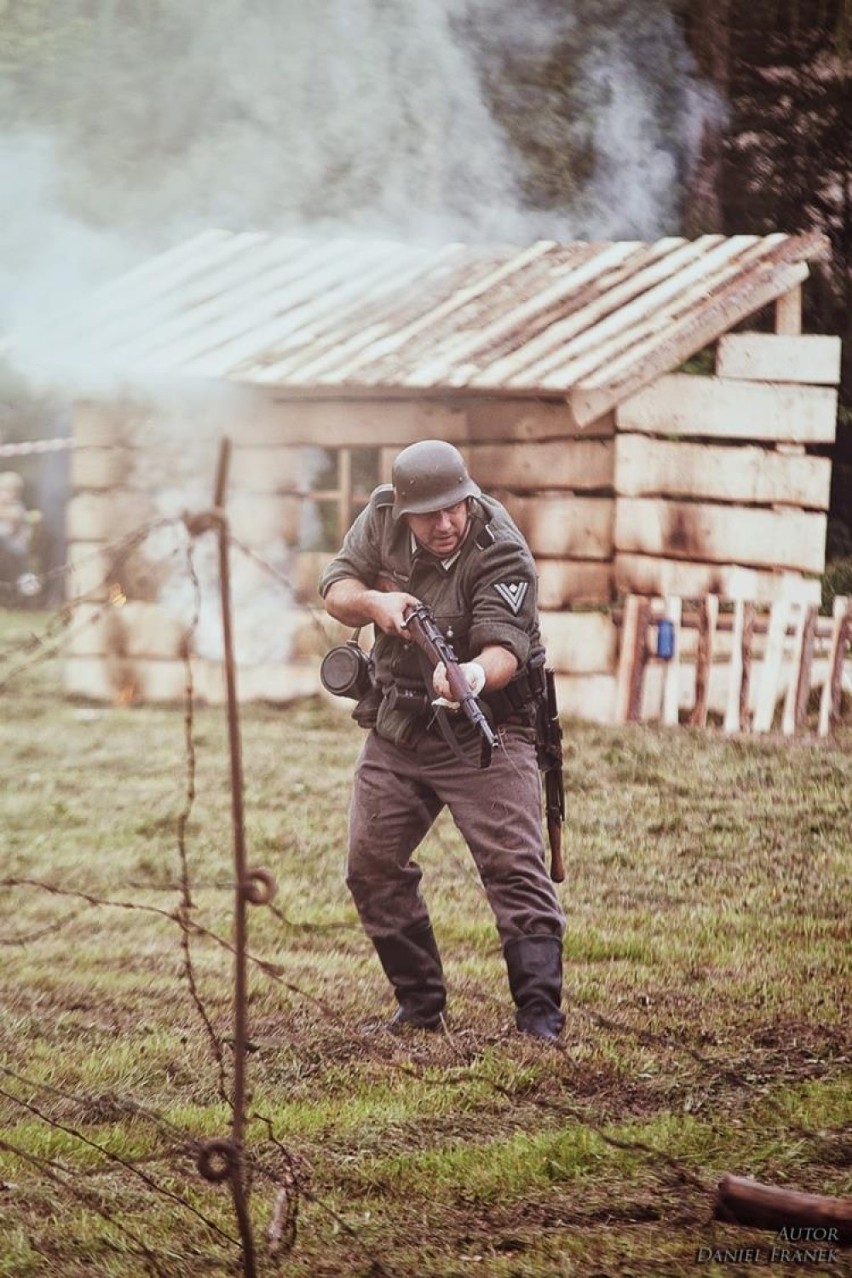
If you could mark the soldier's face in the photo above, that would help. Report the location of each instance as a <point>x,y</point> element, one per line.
<point>441,531</point>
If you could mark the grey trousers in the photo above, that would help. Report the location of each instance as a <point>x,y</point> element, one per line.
<point>397,795</point>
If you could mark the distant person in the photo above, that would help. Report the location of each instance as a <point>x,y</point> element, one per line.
<point>17,526</point>
<point>433,536</point>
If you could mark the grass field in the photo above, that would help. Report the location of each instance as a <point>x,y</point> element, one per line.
<point>708,980</point>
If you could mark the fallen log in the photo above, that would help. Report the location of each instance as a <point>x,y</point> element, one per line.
<point>747,1202</point>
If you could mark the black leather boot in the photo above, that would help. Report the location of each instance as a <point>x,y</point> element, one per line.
<point>534,964</point>
<point>412,964</point>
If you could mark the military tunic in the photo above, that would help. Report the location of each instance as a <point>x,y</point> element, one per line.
<point>484,594</point>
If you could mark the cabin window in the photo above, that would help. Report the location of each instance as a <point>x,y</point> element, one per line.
<point>338,486</point>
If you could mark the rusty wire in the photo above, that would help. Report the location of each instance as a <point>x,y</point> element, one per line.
<point>251,886</point>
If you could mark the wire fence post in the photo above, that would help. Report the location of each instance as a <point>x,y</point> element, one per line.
<point>225,1159</point>
<point>238,1178</point>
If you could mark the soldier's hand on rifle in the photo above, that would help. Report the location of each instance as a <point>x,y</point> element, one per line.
<point>471,670</point>
<point>388,609</point>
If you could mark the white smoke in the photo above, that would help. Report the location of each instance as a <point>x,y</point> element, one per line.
<point>408,119</point>
<point>399,118</point>
<point>48,256</point>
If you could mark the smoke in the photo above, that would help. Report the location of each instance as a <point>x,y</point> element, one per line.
<point>476,120</point>
<point>48,256</point>
<point>127,127</point>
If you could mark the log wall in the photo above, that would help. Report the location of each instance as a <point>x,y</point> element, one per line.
<point>695,485</point>
<point>713,475</point>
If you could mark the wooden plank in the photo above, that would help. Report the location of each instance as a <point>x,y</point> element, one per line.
<point>575,464</point>
<point>587,696</point>
<point>811,359</point>
<point>660,319</point>
<point>655,575</point>
<point>733,707</point>
<point>645,466</point>
<point>672,611</point>
<point>562,582</point>
<point>570,527</point>
<point>829,706</point>
<point>631,661</point>
<point>263,519</point>
<point>788,715</point>
<point>748,1202</point>
<point>607,302</point>
<point>364,423</point>
<point>684,405</point>
<point>806,662</point>
<point>595,334</point>
<point>709,616</point>
<point>107,516</point>
<point>580,642</point>
<point>788,313</point>
<point>504,419</point>
<point>614,381</point>
<point>768,692</point>
<point>275,469</point>
<point>721,534</point>
<point>102,422</point>
<point>99,468</point>
<point>747,651</point>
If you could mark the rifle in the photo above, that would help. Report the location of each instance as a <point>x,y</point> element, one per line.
<point>548,741</point>
<point>425,632</point>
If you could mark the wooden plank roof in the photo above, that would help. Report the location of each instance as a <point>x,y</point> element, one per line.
<point>586,322</point>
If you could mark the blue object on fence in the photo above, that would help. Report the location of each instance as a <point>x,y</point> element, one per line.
<point>665,638</point>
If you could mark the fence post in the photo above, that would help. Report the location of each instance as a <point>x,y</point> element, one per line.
<point>841,634</point>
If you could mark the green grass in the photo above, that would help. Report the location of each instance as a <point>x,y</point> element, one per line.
<point>707,980</point>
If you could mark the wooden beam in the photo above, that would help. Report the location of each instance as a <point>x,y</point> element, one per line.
<point>344,483</point>
<point>708,618</point>
<point>733,721</point>
<point>657,575</point>
<point>580,642</point>
<point>798,690</point>
<point>747,650</point>
<point>631,662</point>
<point>527,419</point>
<point>668,349</point>
<point>565,527</point>
<point>357,422</point>
<point>695,531</point>
<point>812,359</point>
<point>788,313</point>
<point>747,1202</point>
<point>841,636</point>
<point>767,696</point>
<point>574,464</point>
<point>647,467</point>
<point>681,405</point>
<point>672,611</point>
<point>562,582</point>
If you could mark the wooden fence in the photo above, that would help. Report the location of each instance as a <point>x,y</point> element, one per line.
<point>765,658</point>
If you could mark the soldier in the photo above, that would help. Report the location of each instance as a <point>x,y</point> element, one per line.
<point>433,536</point>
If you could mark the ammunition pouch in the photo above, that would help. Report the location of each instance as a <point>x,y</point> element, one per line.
<point>516,702</point>
<point>408,698</point>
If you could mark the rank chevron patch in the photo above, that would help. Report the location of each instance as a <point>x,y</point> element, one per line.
<point>513,593</point>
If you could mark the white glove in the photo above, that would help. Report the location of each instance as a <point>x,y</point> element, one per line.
<point>471,670</point>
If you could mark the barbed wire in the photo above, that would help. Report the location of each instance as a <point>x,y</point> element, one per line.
<point>288,1184</point>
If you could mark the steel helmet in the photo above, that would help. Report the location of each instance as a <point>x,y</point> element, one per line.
<point>429,475</point>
